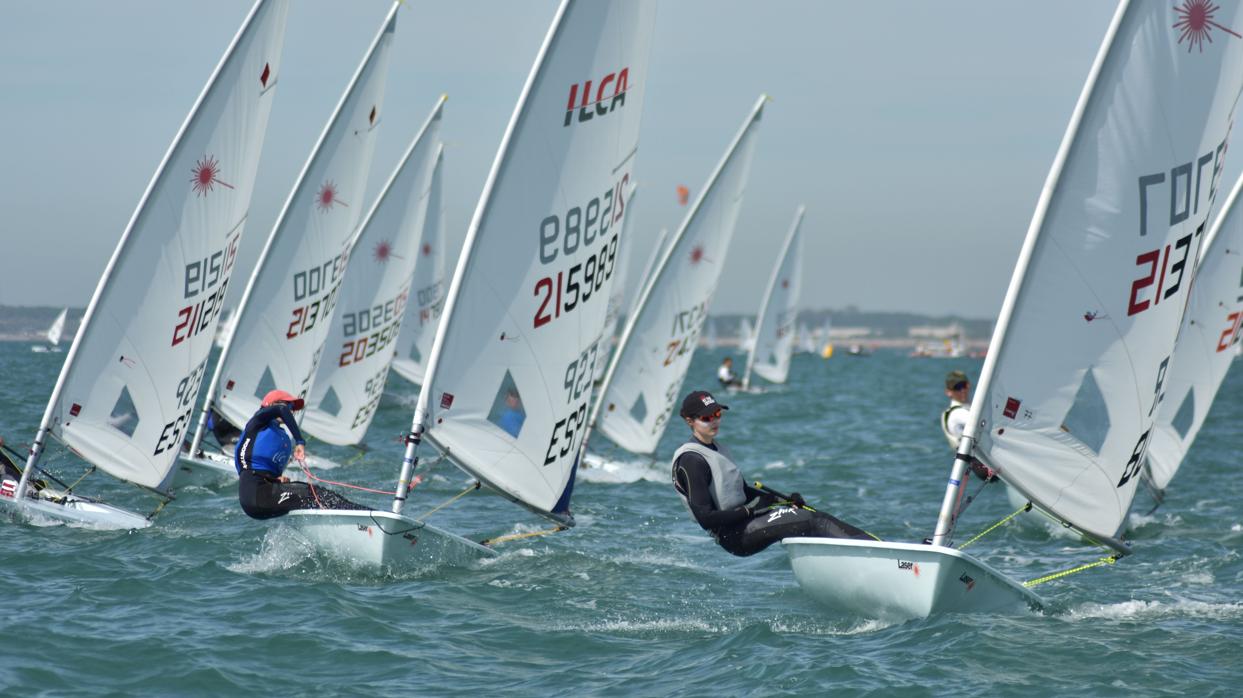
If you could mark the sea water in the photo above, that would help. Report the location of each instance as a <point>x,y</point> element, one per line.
<point>636,600</point>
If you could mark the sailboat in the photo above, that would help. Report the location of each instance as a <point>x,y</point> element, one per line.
<point>427,288</point>
<point>1076,370</point>
<point>1206,348</point>
<point>508,378</point>
<point>130,379</point>
<point>769,357</point>
<point>53,335</point>
<point>371,304</point>
<point>285,313</point>
<point>645,377</point>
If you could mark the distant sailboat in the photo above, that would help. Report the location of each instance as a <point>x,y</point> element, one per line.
<point>286,310</point>
<point>508,378</point>
<point>1069,394</point>
<point>130,379</point>
<point>642,385</point>
<point>769,357</point>
<point>53,335</point>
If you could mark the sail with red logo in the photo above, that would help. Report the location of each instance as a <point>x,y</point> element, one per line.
<point>375,293</point>
<point>283,318</point>
<point>1076,373</point>
<point>125,395</point>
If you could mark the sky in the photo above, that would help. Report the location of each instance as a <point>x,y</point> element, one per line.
<point>918,134</point>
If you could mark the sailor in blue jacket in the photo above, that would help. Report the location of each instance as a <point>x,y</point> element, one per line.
<point>261,454</point>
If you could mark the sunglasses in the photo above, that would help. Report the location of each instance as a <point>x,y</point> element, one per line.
<point>959,386</point>
<point>709,417</point>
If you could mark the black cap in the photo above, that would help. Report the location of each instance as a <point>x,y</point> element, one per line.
<point>700,402</point>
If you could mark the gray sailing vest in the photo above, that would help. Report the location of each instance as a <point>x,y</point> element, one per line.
<point>727,485</point>
<point>945,423</point>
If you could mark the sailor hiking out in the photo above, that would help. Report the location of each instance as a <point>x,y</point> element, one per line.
<point>743,519</point>
<point>261,454</point>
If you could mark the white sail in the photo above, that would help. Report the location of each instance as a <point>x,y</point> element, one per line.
<point>774,326</point>
<point>285,314</point>
<point>58,327</point>
<point>132,374</point>
<point>644,381</point>
<point>1078,363</point>
<point>617,298</point>
<point>374,294</point>
<point>509,378</point>
<point>1206,345</point>
<point>710,340</point>
<point>746,335</point>
<point>427,289</point>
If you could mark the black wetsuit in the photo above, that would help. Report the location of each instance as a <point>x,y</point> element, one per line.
<point>260,466</point>
<point>748,529</point>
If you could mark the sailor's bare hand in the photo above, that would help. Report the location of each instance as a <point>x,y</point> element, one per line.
<point>299,453</point>
<point>284,478</point>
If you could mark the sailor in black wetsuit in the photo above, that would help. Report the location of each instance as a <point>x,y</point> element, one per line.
<point>261,455</point>
<point>742,519</point>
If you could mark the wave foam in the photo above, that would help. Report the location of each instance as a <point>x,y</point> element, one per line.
<point>1143,610</point>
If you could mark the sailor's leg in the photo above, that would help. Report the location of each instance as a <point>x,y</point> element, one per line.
<point>768,527</point>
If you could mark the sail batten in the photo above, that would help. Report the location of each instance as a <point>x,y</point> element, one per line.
<point>1068,396</point>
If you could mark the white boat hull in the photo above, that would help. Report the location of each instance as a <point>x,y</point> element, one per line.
<point>72,511</point>
<point>901,581</point>
<point>382,540</point>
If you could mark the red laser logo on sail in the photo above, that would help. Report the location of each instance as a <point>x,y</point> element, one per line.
<point>327,197</point>
<point>697,254</point>
<point>383,251</point>
<point>204,179</point>
<point>427,249</point>
<point>1195,22</point>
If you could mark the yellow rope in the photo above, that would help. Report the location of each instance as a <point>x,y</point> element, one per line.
<point>69,490</point>
<point>520,536</point>
<point>1107,560</point>
<point>990,529</point>
<point>451,500</point>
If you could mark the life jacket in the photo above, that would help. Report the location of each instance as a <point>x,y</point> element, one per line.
<point>268,451</point>
<point>951,437</point>
<point>728,491</point>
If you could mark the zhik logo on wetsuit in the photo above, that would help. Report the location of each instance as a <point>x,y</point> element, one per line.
<point>776,514</point>
<point>284,496</point>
